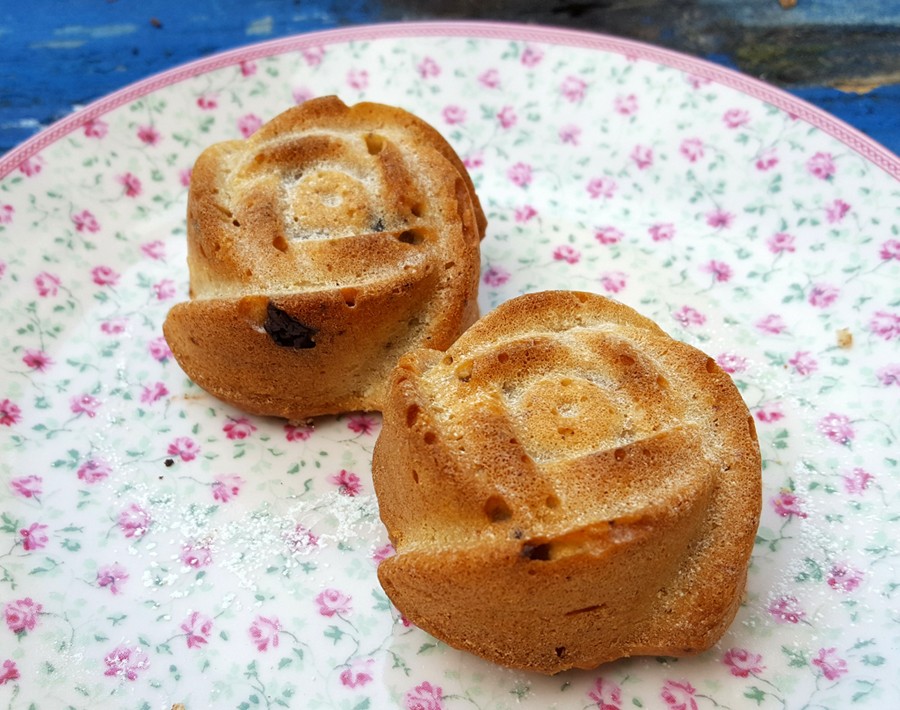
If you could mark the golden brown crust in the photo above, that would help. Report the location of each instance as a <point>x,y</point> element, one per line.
<point>358,224</point>
<point>565,486</point>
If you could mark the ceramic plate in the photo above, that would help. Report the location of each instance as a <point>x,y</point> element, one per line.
<point>158,547</point>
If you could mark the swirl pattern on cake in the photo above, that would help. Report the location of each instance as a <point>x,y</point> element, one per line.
<point>567,485</point>
<point>320,249</point>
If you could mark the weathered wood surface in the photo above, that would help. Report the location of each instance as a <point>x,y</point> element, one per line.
<point>842,56</point>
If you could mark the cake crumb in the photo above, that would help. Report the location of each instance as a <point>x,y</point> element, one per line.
<point>844,339</point>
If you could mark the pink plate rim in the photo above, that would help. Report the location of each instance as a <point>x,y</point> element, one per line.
<point>870,149</point>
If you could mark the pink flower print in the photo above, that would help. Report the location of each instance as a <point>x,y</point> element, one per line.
<point>735,118</point>
<point>719,219</point>
<point>601,187</point>
<point>184,177</point>
<point>857,481</point>
<point>613,281</point>
<point>348,483</point>
<point>692,149</point>
<point>766,160</point>
<point>196,555</point>
<point>507,117</point>
<point>226,486</point>
<point>836,211</point>
<point>153,393</point>
<point>772,324</point>
<point>424,696</point>
<point>164,289</point>
<point>788,505</point>
<point>358,673</point>
<point>520,174</point>
<point>240,428</point>
<point>333,602</point>
<point>781,242</point>
<point>885,325</point>
<point>625,105</point>
<point>207,102</point>
<point>490,79</point>
<point>34,537</point>
<point>524,214</point>
<point>264,632</point>
<point>185,448</point>
<point>6,214</point>
<point>890,250</point>
<point>696,81</point>
<point>46,284</point>
<point>382,553</point>
<point>155,250</point>
<point>837,428</point>
<point>302,94</point>
<point>37,359</point>
<point>247,67</point>
<point>678,695</point>
<point>95,128</point>
<point>134,521</point>
<point>608,235</point>
<point>889,375</point>
<point>126,662</point>
<point>148,135</point>
<point>111,577</point>
<point>821,165</point>
<point>297,432</point>
<point>84,404</point>
<point>10,672</point>
<point>104,276</point>
<point>531,55</point>
<point>159,349</point>
<point>769,413</point>
<point>495,276</point>
<point>474,160</point>
<point>313,55</point>
<point>454,114</point>
<point>27,486</point>
<point>567,253</point>
<point>688,316</point>
<point>197,627</point>
<point>831,665</point>
<point>803,363</point>
<point>428,68</point>
<point>786,610</point>
<point>362,423</point>
<point>85,221</point>
<point>9,413</point>
<point>131,183</point>
<point>22,615</point>
<point>844,578</point>
<point>606,695</point>
<point>358,79</point>
<point>31,166</point>
<point>822,295</point>
<point>732,363</point>
<point>662,232</point>
<point>248,124</point>
<point>93,471</point>
<point>113,326</point>
<point>572,89</point>
<point>570,134</point>
<point>720,271</point>
<point>642,156</point>
<point>743,663</point>
<point>301,538</point>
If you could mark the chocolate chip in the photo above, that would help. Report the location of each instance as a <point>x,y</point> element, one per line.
<point>379,225</point>
<point>169,463</point>
<point>539,552</point>
<point>287,331</point>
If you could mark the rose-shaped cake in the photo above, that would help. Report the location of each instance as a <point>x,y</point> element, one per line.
<point>567,485</point>
<point>321,249</point>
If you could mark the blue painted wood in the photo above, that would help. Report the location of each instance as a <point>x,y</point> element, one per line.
<point>56,55</point>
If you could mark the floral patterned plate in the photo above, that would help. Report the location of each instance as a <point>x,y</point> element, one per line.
<point>158,547</point>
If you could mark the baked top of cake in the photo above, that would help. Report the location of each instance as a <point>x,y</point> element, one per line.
<point>320,249</point>
<point>567,485</point>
